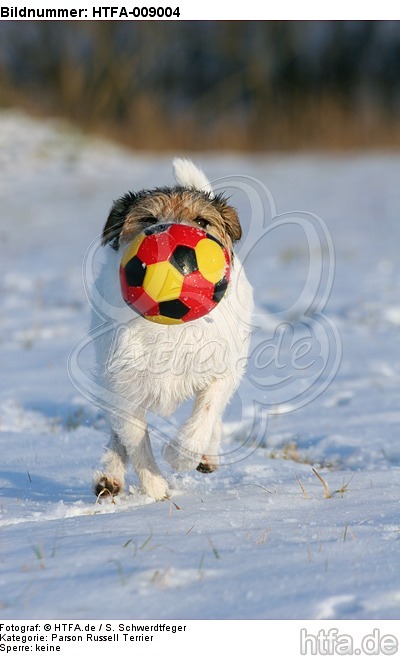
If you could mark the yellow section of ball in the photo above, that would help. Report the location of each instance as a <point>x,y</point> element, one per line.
<point>132,249</point>
<point>162,282</point>
<point>160,318</point>
<point>210,260</point>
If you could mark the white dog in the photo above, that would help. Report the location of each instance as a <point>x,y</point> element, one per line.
<point>207,355</point>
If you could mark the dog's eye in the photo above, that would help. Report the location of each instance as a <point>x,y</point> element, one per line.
<point>148,221</point>
<point>203,223</point>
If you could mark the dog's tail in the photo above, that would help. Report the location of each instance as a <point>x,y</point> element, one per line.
<point>189,175</point>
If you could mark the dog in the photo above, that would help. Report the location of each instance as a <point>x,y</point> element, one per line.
<point>222,338</point>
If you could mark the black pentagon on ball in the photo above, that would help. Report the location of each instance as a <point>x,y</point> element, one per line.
<point>174,309</point>
<point>135,271</point>
<point>184,259</point>
<point>220,289</point>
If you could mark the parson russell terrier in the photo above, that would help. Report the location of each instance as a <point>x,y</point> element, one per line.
<point>221,337</point>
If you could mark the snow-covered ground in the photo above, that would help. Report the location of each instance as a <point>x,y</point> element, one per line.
<point>259,538</point>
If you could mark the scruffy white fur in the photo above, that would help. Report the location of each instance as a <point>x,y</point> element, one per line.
<point>189,175</point>
<point>203,359</point>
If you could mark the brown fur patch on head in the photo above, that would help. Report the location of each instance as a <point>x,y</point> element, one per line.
<point>134,212</point>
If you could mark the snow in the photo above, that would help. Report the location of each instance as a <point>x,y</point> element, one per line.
<point>261,537</point>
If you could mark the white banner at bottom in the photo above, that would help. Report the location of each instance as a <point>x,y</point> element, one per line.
<point>279,637</point>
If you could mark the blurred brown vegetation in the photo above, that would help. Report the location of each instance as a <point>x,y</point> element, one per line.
<point>210,85</point>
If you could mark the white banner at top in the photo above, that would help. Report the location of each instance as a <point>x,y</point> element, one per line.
<point>183,10</point>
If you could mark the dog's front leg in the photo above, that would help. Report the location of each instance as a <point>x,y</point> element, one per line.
<point>133,439</point>
<point>110,480</point>
<point>198,442</point>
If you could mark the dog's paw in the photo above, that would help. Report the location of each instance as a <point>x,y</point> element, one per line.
<point>207,465</point>
<point>179,458</point>
<point>106,485</point>
<point>154,486</point>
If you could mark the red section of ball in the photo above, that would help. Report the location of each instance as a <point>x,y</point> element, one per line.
<point>159,246</point>
<point>228,268</point>
<point>156,248</point>
<point>197,293</point>
<point>194,285</point>
<point>184,235</point>
<point>136,296</point>
<point>199,307</point>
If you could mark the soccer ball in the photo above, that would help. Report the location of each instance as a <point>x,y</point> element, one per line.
<point>173,273</point>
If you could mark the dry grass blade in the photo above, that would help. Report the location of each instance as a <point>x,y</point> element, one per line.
<point>175,505</point>
<point>302,488</point>
<point>191,529</point>
<point>263,537</point>
<point>344,487</point>
<point>214,548</point>
<point>146,542</point>
<point>318,475</point>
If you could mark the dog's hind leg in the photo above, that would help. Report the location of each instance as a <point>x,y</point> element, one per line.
<point>114,461</point>
<point>210,459</point>
<point>198,442</point>
<point>151,481</point>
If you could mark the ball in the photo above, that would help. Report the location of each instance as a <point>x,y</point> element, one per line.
<point>173,273</point>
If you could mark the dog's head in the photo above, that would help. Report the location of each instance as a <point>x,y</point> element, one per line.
<point>191,202</point>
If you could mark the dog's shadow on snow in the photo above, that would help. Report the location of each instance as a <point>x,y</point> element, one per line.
<point>25,486</point>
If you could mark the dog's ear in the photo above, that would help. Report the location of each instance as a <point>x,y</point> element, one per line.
<point>116,219</point>
<point>229,216</point>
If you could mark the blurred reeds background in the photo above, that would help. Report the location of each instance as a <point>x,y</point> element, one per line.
<point>265,85</point>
